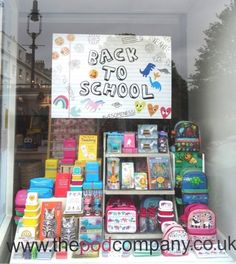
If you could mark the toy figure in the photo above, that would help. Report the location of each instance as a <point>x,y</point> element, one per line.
<point>113,174</point>
<point>97,206</point>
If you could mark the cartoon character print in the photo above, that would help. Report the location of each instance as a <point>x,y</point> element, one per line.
<point>155,84</point>
<point>49,224</point>
<point>68,229</point>
<point>180,236</point>
<point>207,220</point>
<point>147,70</point>
<point>203,220</point>
<point>196,221</point>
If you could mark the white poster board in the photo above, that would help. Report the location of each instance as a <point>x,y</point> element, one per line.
<point>111,76</point>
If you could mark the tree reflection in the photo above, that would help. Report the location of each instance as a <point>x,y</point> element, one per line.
<point>217,56</point>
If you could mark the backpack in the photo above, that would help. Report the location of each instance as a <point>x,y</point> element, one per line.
<point>200,223</point>
<point>194,187</point>
<point>187,137</point>
<point>173,233</point>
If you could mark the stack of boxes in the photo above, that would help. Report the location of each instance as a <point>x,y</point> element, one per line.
<point>147,139</point>
<point>42,186</point>
<point>92,171</point>
<point>31,217</point>
<point>77,179</point>
<point>165,211</point>
<point>20,201</point>
<point>51,166</point>
<point>92,189</point>
<point>90,232</point>
<point>69,155</point>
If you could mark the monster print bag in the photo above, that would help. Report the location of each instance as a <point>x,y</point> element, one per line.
<point>187,137</point>
<point>194,187</point>
<point>121,215</point>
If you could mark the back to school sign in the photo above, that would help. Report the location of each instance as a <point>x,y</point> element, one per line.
<point>111,76</point>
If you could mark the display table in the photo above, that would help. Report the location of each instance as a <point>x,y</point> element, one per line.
<point>191,258</point>
<point>115,257</point>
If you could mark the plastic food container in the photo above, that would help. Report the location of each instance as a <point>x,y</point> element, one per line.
<point>31,207</point>
<point>29,232</point>
<point>165,208</point>
<point>18,213</point>
<point>161,212</point>
<point>31,221</point>
<point>32,213</point>
<point>77,177</point>
<point>165,218</point>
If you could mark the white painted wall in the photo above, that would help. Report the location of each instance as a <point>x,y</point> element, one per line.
<point>214,109</point>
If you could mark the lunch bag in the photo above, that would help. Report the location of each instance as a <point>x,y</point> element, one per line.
<point>121,215</point>
<point>194,187</point>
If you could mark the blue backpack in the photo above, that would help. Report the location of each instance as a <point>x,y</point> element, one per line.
<point>194,187</point>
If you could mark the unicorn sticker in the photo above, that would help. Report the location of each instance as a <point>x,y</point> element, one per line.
<point>93,106</point>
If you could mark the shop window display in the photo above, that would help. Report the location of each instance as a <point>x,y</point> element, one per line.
<point>118,178</point>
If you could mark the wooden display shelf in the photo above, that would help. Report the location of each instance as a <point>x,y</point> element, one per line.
<point>139,192</point>
<point>138,235</point>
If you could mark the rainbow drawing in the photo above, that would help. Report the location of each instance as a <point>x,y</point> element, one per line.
<point>61,100</point>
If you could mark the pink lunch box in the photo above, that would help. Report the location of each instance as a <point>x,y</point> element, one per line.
<point>20,198</point>
<point>67,161</point>
<point>69,146</point>
<point>121,215</point>
<point>20,209</point>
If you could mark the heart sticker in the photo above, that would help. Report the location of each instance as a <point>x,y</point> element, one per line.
<point>165,112</point>
<point>31,197</point>
<point>139,106</point>
<point>152,109</point>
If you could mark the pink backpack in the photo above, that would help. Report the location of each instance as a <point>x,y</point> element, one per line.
<point>173,233</point>
<point>200,222</point>
<point>121,215</point>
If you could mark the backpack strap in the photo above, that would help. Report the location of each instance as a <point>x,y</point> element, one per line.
<point>165,226</point>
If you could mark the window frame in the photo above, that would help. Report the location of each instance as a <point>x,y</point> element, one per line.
<point>8,95</point>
